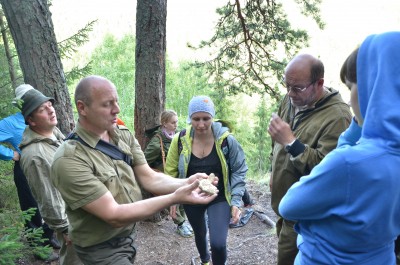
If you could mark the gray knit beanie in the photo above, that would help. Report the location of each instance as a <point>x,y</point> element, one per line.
<point>201,104</point>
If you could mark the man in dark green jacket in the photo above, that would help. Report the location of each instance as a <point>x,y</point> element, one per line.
<point>306,128</point>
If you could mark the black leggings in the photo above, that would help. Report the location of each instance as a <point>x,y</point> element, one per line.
<point>218,215</point>
<point>26,199</point>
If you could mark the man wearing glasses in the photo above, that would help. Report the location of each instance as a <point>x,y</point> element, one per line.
<point>306,128</point>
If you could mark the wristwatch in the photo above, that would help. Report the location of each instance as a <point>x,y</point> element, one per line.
<point>289,145</point>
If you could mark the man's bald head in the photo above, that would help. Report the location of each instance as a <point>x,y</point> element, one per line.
<point>83,91</point>
<point>308,63</point>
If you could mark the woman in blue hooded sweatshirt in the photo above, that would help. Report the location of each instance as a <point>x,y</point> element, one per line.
<point>348,208</point>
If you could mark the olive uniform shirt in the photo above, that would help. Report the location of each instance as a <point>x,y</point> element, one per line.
<point>84,174</point>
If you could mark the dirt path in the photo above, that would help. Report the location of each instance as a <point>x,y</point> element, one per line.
<point>253,244</point>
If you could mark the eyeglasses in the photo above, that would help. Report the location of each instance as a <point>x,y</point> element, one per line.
<point>296,89</point>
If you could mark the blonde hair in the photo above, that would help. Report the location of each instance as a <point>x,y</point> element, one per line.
<point>166,115</point>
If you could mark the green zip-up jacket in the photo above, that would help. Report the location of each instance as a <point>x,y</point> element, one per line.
<point>318,129</point>
<point>153,150</point>
<point>233,171</point>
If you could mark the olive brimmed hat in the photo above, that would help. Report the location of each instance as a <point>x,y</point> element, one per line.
<point>31,99</point>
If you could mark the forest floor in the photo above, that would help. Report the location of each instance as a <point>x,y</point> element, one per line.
<point>252,244</point>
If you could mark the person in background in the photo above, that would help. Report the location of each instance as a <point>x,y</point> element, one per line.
<point>11,130</point>
<point>356,221</point>
<point>202,152</point>
<point>101,188</point>
<point>156,152</point>
<point>39,142</point>
<point>120,122</point>
<point>306,128</point>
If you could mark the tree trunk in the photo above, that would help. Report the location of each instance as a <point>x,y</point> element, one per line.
<point>7,51</point>
<point>33,33</point>
<point>150,65</point>
<point>151,19</point>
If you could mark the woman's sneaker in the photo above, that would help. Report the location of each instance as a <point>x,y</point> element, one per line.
<point>184,230</point>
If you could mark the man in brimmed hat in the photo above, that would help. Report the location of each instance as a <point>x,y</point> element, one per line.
<point>39,143</point>
<point>11,130</point>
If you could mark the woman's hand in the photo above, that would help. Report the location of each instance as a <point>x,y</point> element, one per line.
<point>235,214</point>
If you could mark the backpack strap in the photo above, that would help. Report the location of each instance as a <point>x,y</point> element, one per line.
<point>162,149</point>
<point>225,148</point>
<point>180,147</point>
<point>111,150</point>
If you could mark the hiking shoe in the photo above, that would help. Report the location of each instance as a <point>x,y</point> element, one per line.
<point>189,226</point>
<point>251,203</point>
<point>197,261</point>
<point>184,230</point>
<point>54,243</point>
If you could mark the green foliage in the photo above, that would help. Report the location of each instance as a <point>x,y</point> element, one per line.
<point>115,60</point>
<point>16,242</point>
<point>69,47</point>
<point>6,88</point>
<point>76,73</point>
<point>260,143</point>
<point>311,8</point>
<point>251,44</point>
<point>182,83</point>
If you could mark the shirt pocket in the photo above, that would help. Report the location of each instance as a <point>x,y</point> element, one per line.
<point>111,180</point>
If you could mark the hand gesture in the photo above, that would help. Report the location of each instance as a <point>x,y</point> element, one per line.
<point>280,130</point>
<point>192,194</point>
<point>235,214</point>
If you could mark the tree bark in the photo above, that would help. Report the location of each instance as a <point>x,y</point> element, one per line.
<point>33,33</point>
<point>11,69</point>
<point>150,65</point>
<point>151,19</point>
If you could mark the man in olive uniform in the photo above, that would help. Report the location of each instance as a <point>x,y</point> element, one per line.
<point>101,190</point>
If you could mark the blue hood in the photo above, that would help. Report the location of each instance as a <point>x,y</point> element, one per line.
<point>378,72</point>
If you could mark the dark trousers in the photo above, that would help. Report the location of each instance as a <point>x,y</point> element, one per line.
<point>27,201</point>
<point>287,237</point>
<point>397,249</point>
<point>116,251</point>
<point>218,217</point>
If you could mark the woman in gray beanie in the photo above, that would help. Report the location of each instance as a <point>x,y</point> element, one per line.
<point>208,146</point>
